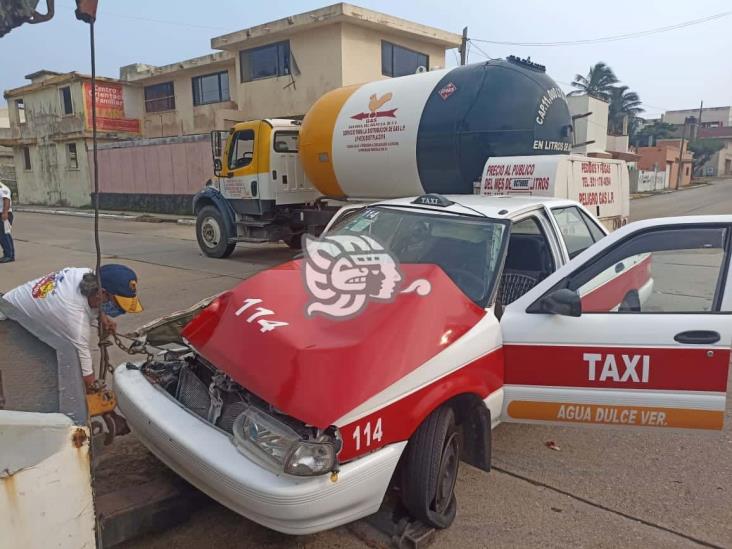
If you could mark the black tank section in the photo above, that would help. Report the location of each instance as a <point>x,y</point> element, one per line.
<point>497,108</point>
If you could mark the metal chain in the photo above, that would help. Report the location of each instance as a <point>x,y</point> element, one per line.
<point>134,348</point>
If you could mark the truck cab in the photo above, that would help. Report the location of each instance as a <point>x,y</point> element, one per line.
<point>387,354</point>
<point>261,193</point>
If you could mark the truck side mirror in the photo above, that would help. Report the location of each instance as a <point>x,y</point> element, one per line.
<point>563,302</point>
<point>217,150</point>
<point>216,144</point>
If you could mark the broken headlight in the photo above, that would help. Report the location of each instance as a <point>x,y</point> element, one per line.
<point>259,434</point>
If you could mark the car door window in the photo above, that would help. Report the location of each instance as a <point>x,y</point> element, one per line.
<point>241,153</point>
<point>664,271</point>
<point>595,230</point>
<point>575,232</point>
<point>529,260</point>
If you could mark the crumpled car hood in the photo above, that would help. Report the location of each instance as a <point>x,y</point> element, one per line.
<point>316,368</point>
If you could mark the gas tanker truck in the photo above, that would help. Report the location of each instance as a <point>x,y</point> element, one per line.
<point>430,132</point>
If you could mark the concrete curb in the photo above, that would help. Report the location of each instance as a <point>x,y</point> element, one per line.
<point>142,217</point>
<point>648,194</point>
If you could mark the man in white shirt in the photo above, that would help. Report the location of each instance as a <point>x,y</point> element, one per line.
<point>6,240</point>
<point>66,302</point>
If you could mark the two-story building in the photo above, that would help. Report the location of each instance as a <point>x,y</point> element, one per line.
<point>51,130</point>
<point>283,67</point>
<point>279,69</point>
<point>187,97</point>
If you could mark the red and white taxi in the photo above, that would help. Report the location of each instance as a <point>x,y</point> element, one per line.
<point>302,422</point>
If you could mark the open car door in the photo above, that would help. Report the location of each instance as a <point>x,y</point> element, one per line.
<point>635,331</point>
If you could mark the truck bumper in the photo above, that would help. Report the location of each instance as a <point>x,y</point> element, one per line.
<point>205,457</point>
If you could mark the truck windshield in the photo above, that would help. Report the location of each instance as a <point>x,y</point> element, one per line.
<point>467,249</point>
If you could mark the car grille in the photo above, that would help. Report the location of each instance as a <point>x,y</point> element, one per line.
<point>193,393</point>
<point>229,413</point>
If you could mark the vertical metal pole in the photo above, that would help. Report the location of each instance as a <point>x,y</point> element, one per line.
<point>699,120</point>
<point>464,47</point>
<point>103,357</point>
<point>681,156</point>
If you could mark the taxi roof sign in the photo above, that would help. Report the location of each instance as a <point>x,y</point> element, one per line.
<point>433,200</point>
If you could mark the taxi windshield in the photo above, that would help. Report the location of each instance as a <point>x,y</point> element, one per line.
<point>467,249</point>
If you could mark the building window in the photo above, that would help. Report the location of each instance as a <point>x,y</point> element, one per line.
<point>20,106</point>
<point>211,88</point>
<point>399,61</point>
<point>265,62</point>
<point>160,97</point>
<point>72,159</point>
<point>26,158</point>
<point>687,170</point>
<point>65,96</point>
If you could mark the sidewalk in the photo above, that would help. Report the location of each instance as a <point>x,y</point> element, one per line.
<point>191,220</point>
<point>646,194</point>
<point>109,214</point>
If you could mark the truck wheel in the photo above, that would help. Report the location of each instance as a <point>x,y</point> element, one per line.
<point>211,233</point>
<point>431,468</point>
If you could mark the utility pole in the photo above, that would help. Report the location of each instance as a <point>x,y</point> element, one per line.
<point>681,154</point>
<point>699,119</point>
<point>463,49</point>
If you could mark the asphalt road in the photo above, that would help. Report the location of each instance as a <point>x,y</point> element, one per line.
<point>602,488</point>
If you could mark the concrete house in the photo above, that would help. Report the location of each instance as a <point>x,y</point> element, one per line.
<point>720,164</point>
<point>187,97</point>
<point>50,127</point>
<point>279,69</point>
<point>284,66</point>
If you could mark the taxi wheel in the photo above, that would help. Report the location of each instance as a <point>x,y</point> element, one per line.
<point>430,469</point>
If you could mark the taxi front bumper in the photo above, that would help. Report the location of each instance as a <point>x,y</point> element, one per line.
<point>206,458</point>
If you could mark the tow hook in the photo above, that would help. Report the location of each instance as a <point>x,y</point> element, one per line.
<point>104,420</point>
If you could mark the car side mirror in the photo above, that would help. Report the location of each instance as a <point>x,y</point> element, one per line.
<point>563,302</point>
<point>217,167</point>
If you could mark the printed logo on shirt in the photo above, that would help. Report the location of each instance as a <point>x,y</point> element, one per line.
<point>47,285</point>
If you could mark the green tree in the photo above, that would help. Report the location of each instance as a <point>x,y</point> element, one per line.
<point>703,150</point>
<point>623,103</point>
<point>647,135</point>
<point>597,83</point>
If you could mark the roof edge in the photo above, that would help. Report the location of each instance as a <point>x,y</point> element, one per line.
<point>336,13</point>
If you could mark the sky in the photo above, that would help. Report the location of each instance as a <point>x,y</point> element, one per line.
<point>670,70</point>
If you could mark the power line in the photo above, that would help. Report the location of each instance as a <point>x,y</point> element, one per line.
<point>477,47</point>
<point>613,38</point>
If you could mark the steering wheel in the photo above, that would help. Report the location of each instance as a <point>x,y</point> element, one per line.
<point>244,160</point>
<point>472,285</point>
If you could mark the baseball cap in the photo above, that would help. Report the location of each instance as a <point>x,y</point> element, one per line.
<point>121,282</point>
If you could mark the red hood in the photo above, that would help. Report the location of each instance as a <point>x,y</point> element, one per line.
<point>317,369</point>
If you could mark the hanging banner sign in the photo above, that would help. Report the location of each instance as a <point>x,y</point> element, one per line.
<point>110,109</point>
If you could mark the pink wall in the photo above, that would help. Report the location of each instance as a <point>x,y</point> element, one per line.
<point>170,167</point>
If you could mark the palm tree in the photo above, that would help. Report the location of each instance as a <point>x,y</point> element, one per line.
<point>623,103</point>
<point>597,83</point>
